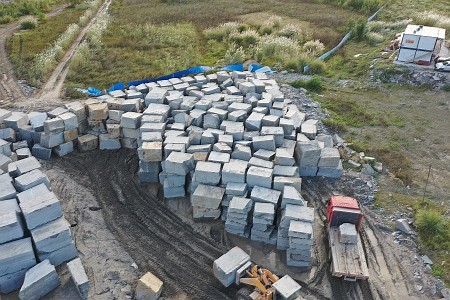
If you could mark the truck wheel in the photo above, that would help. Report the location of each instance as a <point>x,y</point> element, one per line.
<point>244,293</point>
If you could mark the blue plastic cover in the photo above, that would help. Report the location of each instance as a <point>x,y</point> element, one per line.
<point>238,67</point>
<point>117,86</point>
<point>93,91</point>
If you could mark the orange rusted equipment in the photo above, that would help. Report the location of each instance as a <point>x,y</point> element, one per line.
<point>262,280</point>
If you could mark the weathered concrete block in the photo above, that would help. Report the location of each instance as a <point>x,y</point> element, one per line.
<point>329,157</point>
<point>241,152</point>
<point>27,165</point>
<point>39,281</point>
<point>151,151</point>
<point>179,163</point>
<point>285,171</point>
<point>291,196</point>
<point>149,287</point>
<point>63,149</point>
<point>279,182</point>
<point>258,162</point>
<point>287,288</point>
<point>308,153</point>
<point>8,134</point>
<point>173,192</point>
<point>87,142</point>
<point>219,157</point>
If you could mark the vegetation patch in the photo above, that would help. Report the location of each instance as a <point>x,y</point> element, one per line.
<point>11,11</point>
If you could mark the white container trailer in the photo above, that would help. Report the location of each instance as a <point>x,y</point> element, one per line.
<point>419,44</point>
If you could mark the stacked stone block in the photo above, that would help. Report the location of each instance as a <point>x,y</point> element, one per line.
<point>175,168</point>
<point>263,229</point>
<point>206,201</point>
<point>301,241</point>
<point>238,216</point>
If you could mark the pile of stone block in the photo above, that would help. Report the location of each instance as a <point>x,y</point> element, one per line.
<point>238,216</point>
<point>32,225</point>
<point>263,229</point>
<point>175,169</point>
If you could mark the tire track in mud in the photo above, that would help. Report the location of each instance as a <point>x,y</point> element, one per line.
<point>156,238</point>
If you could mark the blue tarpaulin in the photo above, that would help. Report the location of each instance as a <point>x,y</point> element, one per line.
<point>182,73</point>
<point>94,92</point>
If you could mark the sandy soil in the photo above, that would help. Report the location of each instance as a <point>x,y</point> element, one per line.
<point>117,222</point>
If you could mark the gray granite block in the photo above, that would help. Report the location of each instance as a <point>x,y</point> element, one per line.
<point>64,149</point>
<point>259,176</point>
<point>41,152</point>
<point>266,195</point>
<point>79,277</point>
<point>61,255</point>
<point>16,256</point>
<point>41,209</point>
<point>206,196</point>
<point>30,179</point>
<point>39,281</point>
<point>208,172</point>
<point>52,236</point>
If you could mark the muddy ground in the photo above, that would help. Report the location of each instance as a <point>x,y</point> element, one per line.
<point>123,229</point>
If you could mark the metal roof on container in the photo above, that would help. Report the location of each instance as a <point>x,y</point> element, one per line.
<point>425,31</point>
<point>346,202</point>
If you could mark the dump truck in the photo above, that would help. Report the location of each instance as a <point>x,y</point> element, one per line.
<point>344,218</point>
<point>256,283</point>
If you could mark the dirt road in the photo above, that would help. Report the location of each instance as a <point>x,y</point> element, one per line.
<point>10,90</point>
<point>53,87</point>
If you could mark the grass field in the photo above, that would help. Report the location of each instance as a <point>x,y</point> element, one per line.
<point>18,8</point>
<point>151,38</point>
<point>25,45</point>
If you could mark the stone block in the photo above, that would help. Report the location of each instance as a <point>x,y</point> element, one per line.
<point>39,281</point>
<point>266,142</point>
<point>149,287</point>
<point>41,209</point>
<point>208,172</point>
<point>241,152</point>
<point>70,121</point>
<point>253,122</point>
<point>155,96</point>
<point>179,163</point>
<point>283,157</point>
<point>16,121</point>
<point>131,120</point>
<point>206,196</point>
<point>403,226</point>
<point>8,134</point>
<point>52,236</point>
<point>108,143</point>
<point>129,143</point>
<point>301,230</point>
<point>30,179</point>
<point>5,148</point>
<point>285,171</point>
<point>4,114</point>
<point>151,152</point>
<point>331,172</point>
<point>219,157</point>
<point>296,212</point>
<point>11,227</point>
<point>234,171</point>
<point>348,233</point>
<point>70,135</point>
<point>287,288</point>
<point>279,182</point>
<point>52,140</point>
<point>266,195</point>
<point>98,111</point>
<point>27,165</point>
<point>225,267</point>
<point>329,157</point>
<point>78,109</point>
<point>307,153</point>
<point>63,149</point>
<point>240,205</point>
<point>87,142</point>
<point>258,162</point>
<point>41,152</point>
<point>236,189</point>
<point>259,176</point>
<point>4,162</point>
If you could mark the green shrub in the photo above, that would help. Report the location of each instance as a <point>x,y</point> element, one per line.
<point>446,87</point>
<point>315,84</point>
<point>28,24</point>
<point>430,224</point>
<point>358,29</point>
<point>245,38</point>
<point>6,19</point>
<point>317,67</point>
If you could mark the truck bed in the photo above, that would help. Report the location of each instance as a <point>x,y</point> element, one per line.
<point>348,260</point>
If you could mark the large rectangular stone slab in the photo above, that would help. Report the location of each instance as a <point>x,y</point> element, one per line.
<point>52,236</point>
<point>207,196</point>
<point>265,195</point>
<point>225,267</point>
<point>259,176</point>
<point>79,277</point>
<point>39,281</point>
<point>30,179</point>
